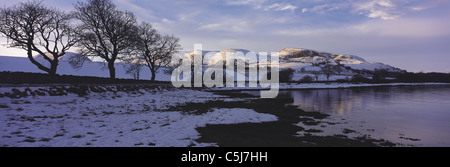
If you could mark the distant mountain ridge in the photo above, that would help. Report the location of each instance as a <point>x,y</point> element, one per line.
<point>303,61</point>
<point>317,58</point>
<point>300,58</point>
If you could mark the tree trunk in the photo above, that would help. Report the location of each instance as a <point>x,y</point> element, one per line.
<point>54,67</point>
<point>153,75</point>
<point>138,73</point>
<point>112,70</point>
<point>31,58</point>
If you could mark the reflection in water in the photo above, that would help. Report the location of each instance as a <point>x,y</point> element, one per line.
<point>399,114</point>
<point>339,101</point>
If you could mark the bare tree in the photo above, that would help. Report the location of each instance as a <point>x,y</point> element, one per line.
<point>134,69</point>
<point>338,69</point>
<point>36,28</point>
<point>328,71</point>
<point>316,75</point>
<point>156,50</point>
<point>328,68</point>
<point>107,32</point>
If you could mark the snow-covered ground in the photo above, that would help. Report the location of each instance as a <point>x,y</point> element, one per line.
<point>122,118</point>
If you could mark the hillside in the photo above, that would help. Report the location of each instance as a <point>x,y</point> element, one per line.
<point>90,68</point>
<point>310,62</point>
<point>316,58</point>
<point>303,61</point>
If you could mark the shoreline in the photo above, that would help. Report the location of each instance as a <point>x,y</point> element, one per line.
<point>94,117</point>
<point>285,132</point>
<point>283,86</point>
<point>308,86</point>
<point>206,118</point>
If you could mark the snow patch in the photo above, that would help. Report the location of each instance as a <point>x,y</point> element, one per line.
<point>134,118</point>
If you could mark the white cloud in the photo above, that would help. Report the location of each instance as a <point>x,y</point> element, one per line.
<point>304,10</point>
<point>264,5</point>
<point>383,9</point>
<point>281,7</point>
<point>257,4</point>
<point>228,25</point>
<point>382,14</point>
<point>402,27</point>
<point>324,8</point>
<point>428,5</point>
<point>385,3</point>
<point>376,9</point>
<point>139,11</point>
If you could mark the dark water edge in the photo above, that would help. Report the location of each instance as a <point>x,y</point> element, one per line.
<point>281,133</point>
<point>409,115</point>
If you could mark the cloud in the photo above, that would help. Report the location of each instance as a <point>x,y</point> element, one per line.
<point>400,28</point>
<point>428,5</point>
<point>383,9</point>
<point>138,10</point>
<point>375,9</point>
<point>249,24</point>
<point>382,14</point>
<point>264,5</point>
<point>324,8</point>
<point>393,9</point>
<point>227,26</point>
<point>281,7</point>
<point>407,27</point>
<point>257,4</point>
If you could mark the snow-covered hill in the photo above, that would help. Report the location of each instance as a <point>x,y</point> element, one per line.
<point>303,61</point>
<point>299,58</point>
<point>90,68</point>
<point>316,58</point>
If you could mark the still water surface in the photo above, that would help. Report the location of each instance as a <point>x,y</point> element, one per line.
<point>407,115</point>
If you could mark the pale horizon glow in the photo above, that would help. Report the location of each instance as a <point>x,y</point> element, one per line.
<point>410,34</point>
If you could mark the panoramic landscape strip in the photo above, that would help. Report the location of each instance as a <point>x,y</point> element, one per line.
<point>109,73</point>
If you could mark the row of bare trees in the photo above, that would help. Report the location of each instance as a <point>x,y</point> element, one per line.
<point>102,31</point>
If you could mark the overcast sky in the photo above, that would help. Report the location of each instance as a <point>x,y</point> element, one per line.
<point>409,34</point>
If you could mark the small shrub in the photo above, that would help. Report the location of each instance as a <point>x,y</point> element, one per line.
<point>286,75</point>
<point>77,136</point>
<point>306,79</point>
<point>358,78</point>
<point>45,139</point>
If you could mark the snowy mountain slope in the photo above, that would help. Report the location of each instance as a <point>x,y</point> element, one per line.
<point>308,62</point>
<point>316,58</point>
<point>90,68</point>
<point>300,58</point>
<point>303,61</point>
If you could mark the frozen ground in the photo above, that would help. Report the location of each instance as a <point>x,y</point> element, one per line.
<point>138,117</point>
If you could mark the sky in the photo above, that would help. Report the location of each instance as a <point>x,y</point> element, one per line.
<point>410,34</point>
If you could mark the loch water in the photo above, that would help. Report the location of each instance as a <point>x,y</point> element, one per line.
<point>406,115</point>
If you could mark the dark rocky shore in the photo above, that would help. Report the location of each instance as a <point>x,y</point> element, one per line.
<point>281,133</point>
